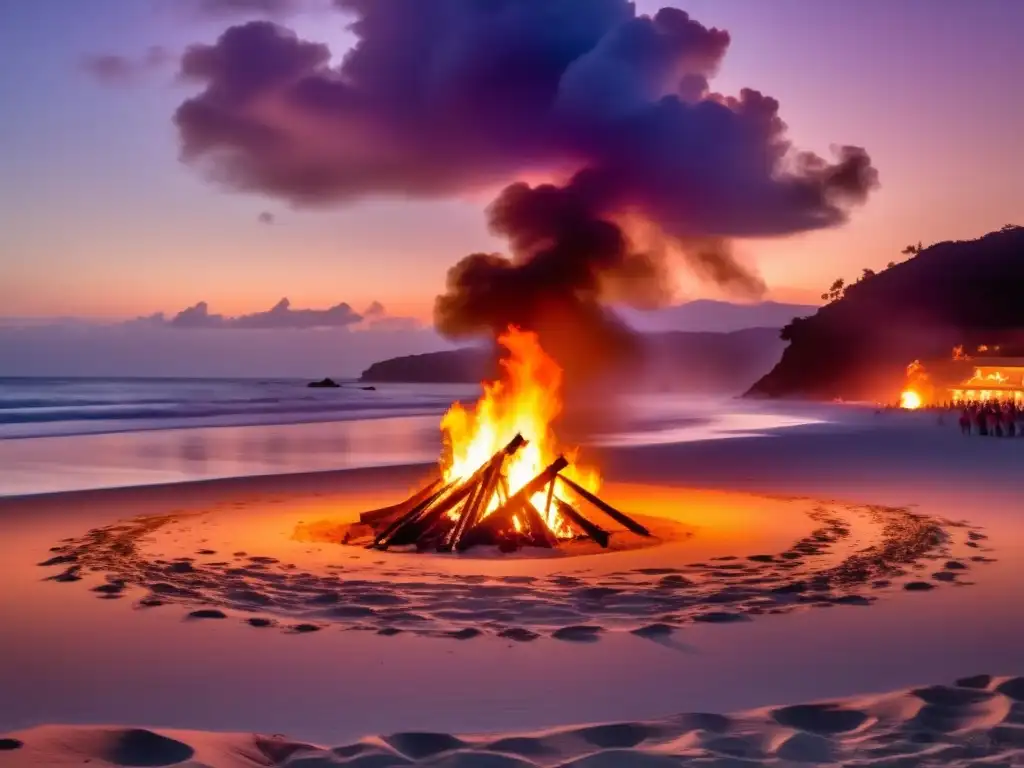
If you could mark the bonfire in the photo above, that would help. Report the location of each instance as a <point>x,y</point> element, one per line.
<point>917,381</point>
<point>503,479</point>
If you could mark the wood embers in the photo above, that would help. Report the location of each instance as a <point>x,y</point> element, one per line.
<point>453,516</point>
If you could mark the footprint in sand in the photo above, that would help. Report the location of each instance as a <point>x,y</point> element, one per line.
<point>58,560</point>
<point>110,590</point>
<point>207,613</point>
<point>519,634</point>
<point>918,586</point>
<point>720,617</point>
<point>466,633</point>
<point>822,719</point>
<point>71,574</point>
<point>580,633</point>
<point>653,630</point>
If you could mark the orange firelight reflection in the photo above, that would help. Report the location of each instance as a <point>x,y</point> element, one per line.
<point>525,399</point>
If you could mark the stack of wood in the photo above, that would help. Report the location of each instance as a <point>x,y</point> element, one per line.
<point>453,516</point>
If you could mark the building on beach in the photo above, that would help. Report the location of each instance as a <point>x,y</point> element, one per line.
<point>981,379</point>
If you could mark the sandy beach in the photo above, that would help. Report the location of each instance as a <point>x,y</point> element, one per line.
<point>833,560</point>
<point>511,384</point>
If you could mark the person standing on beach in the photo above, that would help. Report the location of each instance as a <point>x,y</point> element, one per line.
<point>965,423</point>
<point>994,426</point>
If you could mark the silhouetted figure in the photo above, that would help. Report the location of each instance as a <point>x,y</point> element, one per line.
<point>965,423</point>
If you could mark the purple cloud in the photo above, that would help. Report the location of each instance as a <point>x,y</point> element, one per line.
<point>281,315</point>
<point>116,69</point>
<point>443,97</point>
<point>437,98</point>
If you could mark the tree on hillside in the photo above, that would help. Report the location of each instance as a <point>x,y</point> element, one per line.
<point>913,250</point>
<point>1010,227</point>
<point>835,291</point>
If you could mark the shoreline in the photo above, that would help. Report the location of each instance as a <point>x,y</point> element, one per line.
<point>619,460</point>
<point>289,482</point>
<point>368,415</point>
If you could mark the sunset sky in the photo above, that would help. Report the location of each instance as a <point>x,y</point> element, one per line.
<point>100,219</point>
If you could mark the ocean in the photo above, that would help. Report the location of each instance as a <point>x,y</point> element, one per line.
<point>76,434</point>
<point>31,407</point>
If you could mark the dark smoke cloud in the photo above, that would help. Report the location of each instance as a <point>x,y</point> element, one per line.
<point>442,97</point>
<point>116,69</point>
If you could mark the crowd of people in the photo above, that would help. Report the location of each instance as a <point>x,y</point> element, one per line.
<point>988,418</point>
<point>991,418</point>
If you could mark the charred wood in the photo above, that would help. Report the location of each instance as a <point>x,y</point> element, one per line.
<point>379,516</point>
<point>608,509</point>
<point>593,530</point>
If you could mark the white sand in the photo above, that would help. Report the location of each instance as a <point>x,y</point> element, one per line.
<point>878,488</point>
<point>979,721</point>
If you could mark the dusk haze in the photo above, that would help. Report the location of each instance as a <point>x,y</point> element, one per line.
<point>511,383</point>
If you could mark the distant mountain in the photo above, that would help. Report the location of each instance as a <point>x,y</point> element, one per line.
<point>678,360</point>
<point>458,366</point>
<point>707,362</point>
<point>952,293</point>
<point>718,316</point>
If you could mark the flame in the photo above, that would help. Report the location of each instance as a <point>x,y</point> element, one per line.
<point>995,376</point>
<point>916,370</point>
<point>959,354</point>
<point>526,400</point>
<point>910,400</point>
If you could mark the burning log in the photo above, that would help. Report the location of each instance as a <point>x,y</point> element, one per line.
<point>540,533</point>
<point>455,516</point>
<point>425,515</point>
<point>378,516</point>
<point>385,537</point>
<point>471,514</point>
<point>502,517</point>
<point>608,509</point>
<point>594,531</point>
<point>497,495</point>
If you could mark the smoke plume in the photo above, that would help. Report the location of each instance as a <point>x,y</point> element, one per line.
<point>648,166</point>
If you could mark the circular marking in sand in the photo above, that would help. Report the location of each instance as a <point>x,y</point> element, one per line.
<point>706,567</point>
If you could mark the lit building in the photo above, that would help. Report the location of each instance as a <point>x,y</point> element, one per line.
<point>988,378</point>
